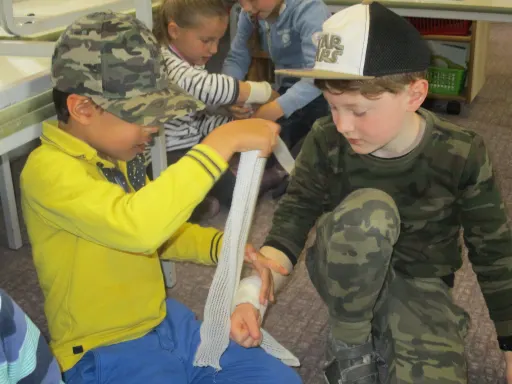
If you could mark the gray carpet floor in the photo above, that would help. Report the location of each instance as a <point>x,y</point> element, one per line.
<point>299,318</point>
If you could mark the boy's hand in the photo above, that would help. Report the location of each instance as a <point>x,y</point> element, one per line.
<point>508,360</point>
<point>263,266</point>
<point>242,136</point>
<point>245,325</point>
<point>240,112</point>
<point>270,111</point>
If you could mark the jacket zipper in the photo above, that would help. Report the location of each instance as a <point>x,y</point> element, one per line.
<point>269,44</point>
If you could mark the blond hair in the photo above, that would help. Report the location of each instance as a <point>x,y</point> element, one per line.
<point>371,88</point>
<point>185,13</point>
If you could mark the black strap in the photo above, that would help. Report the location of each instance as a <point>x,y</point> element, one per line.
<point>334,375</point>
<point>351,353</point>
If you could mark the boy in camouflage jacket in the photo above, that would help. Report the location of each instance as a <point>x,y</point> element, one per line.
<point>389,186</point>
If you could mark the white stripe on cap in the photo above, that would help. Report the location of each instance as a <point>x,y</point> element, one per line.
<point>344,53</point>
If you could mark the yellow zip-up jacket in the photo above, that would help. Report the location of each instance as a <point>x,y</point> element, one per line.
<point>96,247</point>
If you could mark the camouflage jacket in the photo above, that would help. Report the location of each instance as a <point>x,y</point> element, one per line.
<point>444,184</point>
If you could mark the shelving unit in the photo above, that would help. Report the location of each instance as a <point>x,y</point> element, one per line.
<point>261,67</point>
<point>476,71</point>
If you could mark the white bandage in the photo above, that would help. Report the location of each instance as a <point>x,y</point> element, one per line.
<point>215,328</point>
<point>249,288</point>
<point>261,92</point>
<point>249,292</point>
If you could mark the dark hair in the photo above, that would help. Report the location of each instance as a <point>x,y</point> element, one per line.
<point>184,13</point>
<point>60,100</point>
<point>371,88</point>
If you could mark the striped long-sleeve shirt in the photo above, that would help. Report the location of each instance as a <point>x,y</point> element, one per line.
<point>25,357</point>
<point>212,89</point>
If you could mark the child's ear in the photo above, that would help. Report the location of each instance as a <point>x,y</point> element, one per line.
<point>81,109</point>
<point>418,91</point>
<point>173,30</point>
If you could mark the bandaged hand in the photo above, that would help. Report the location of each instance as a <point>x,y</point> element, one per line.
<point>245,326</point>
<point>264,281</point>
<point>261,92</point>
<point>248,314</point>
<point>241,112</point>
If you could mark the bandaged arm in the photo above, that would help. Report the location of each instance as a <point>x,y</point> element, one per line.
<point>249,287</point>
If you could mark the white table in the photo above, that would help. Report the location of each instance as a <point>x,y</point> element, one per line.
<point>21,78</point>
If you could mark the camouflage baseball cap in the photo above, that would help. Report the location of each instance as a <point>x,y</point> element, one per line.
<point>115,60</point>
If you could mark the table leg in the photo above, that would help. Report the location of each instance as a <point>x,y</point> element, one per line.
<point>159,164</point>
<point>8,199</point>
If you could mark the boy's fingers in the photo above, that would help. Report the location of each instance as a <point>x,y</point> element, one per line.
<point>253,326</point>
<point>248,343</point>
<point>266,280</point>
<point>271,296</point>
<point>239,332</point>
<point>250,253</point>
<point>271,264</point>
<point>268,294</point>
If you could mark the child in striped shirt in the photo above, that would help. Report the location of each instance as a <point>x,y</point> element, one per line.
<point>189,31</point>
<point>24,354</point>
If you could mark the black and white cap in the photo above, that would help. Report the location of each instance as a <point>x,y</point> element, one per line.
<point>366,41</point>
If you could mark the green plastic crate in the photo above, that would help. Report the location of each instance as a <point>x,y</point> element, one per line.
<point>446,81</point>
<point>449,80</point>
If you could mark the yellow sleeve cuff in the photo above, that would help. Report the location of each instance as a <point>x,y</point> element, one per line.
<point>213,163</point>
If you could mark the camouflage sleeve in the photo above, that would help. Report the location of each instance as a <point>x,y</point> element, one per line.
<point>301,206</point>
<point>487,235</point>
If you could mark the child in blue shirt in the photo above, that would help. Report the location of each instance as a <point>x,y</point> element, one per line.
<point>287,30</point>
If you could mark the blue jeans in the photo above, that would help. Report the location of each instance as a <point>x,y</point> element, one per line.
<point>166,355</point>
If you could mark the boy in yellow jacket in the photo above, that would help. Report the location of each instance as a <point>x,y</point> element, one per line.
<point>98,228</point>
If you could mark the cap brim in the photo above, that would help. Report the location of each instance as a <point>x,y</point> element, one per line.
<point>153,109</point>
<point>321,74</point>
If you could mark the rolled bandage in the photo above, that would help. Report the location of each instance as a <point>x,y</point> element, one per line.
<point>215,328</point>
<point>249,292</point>
<point>261,92</point>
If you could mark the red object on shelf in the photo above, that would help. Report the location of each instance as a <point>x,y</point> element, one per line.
<point>441,26</point>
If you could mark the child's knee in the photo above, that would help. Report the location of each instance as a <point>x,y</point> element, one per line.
<point>355,240</point>
<point>371,211</point>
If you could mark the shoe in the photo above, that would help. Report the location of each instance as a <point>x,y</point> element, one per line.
<point>350,364</point>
